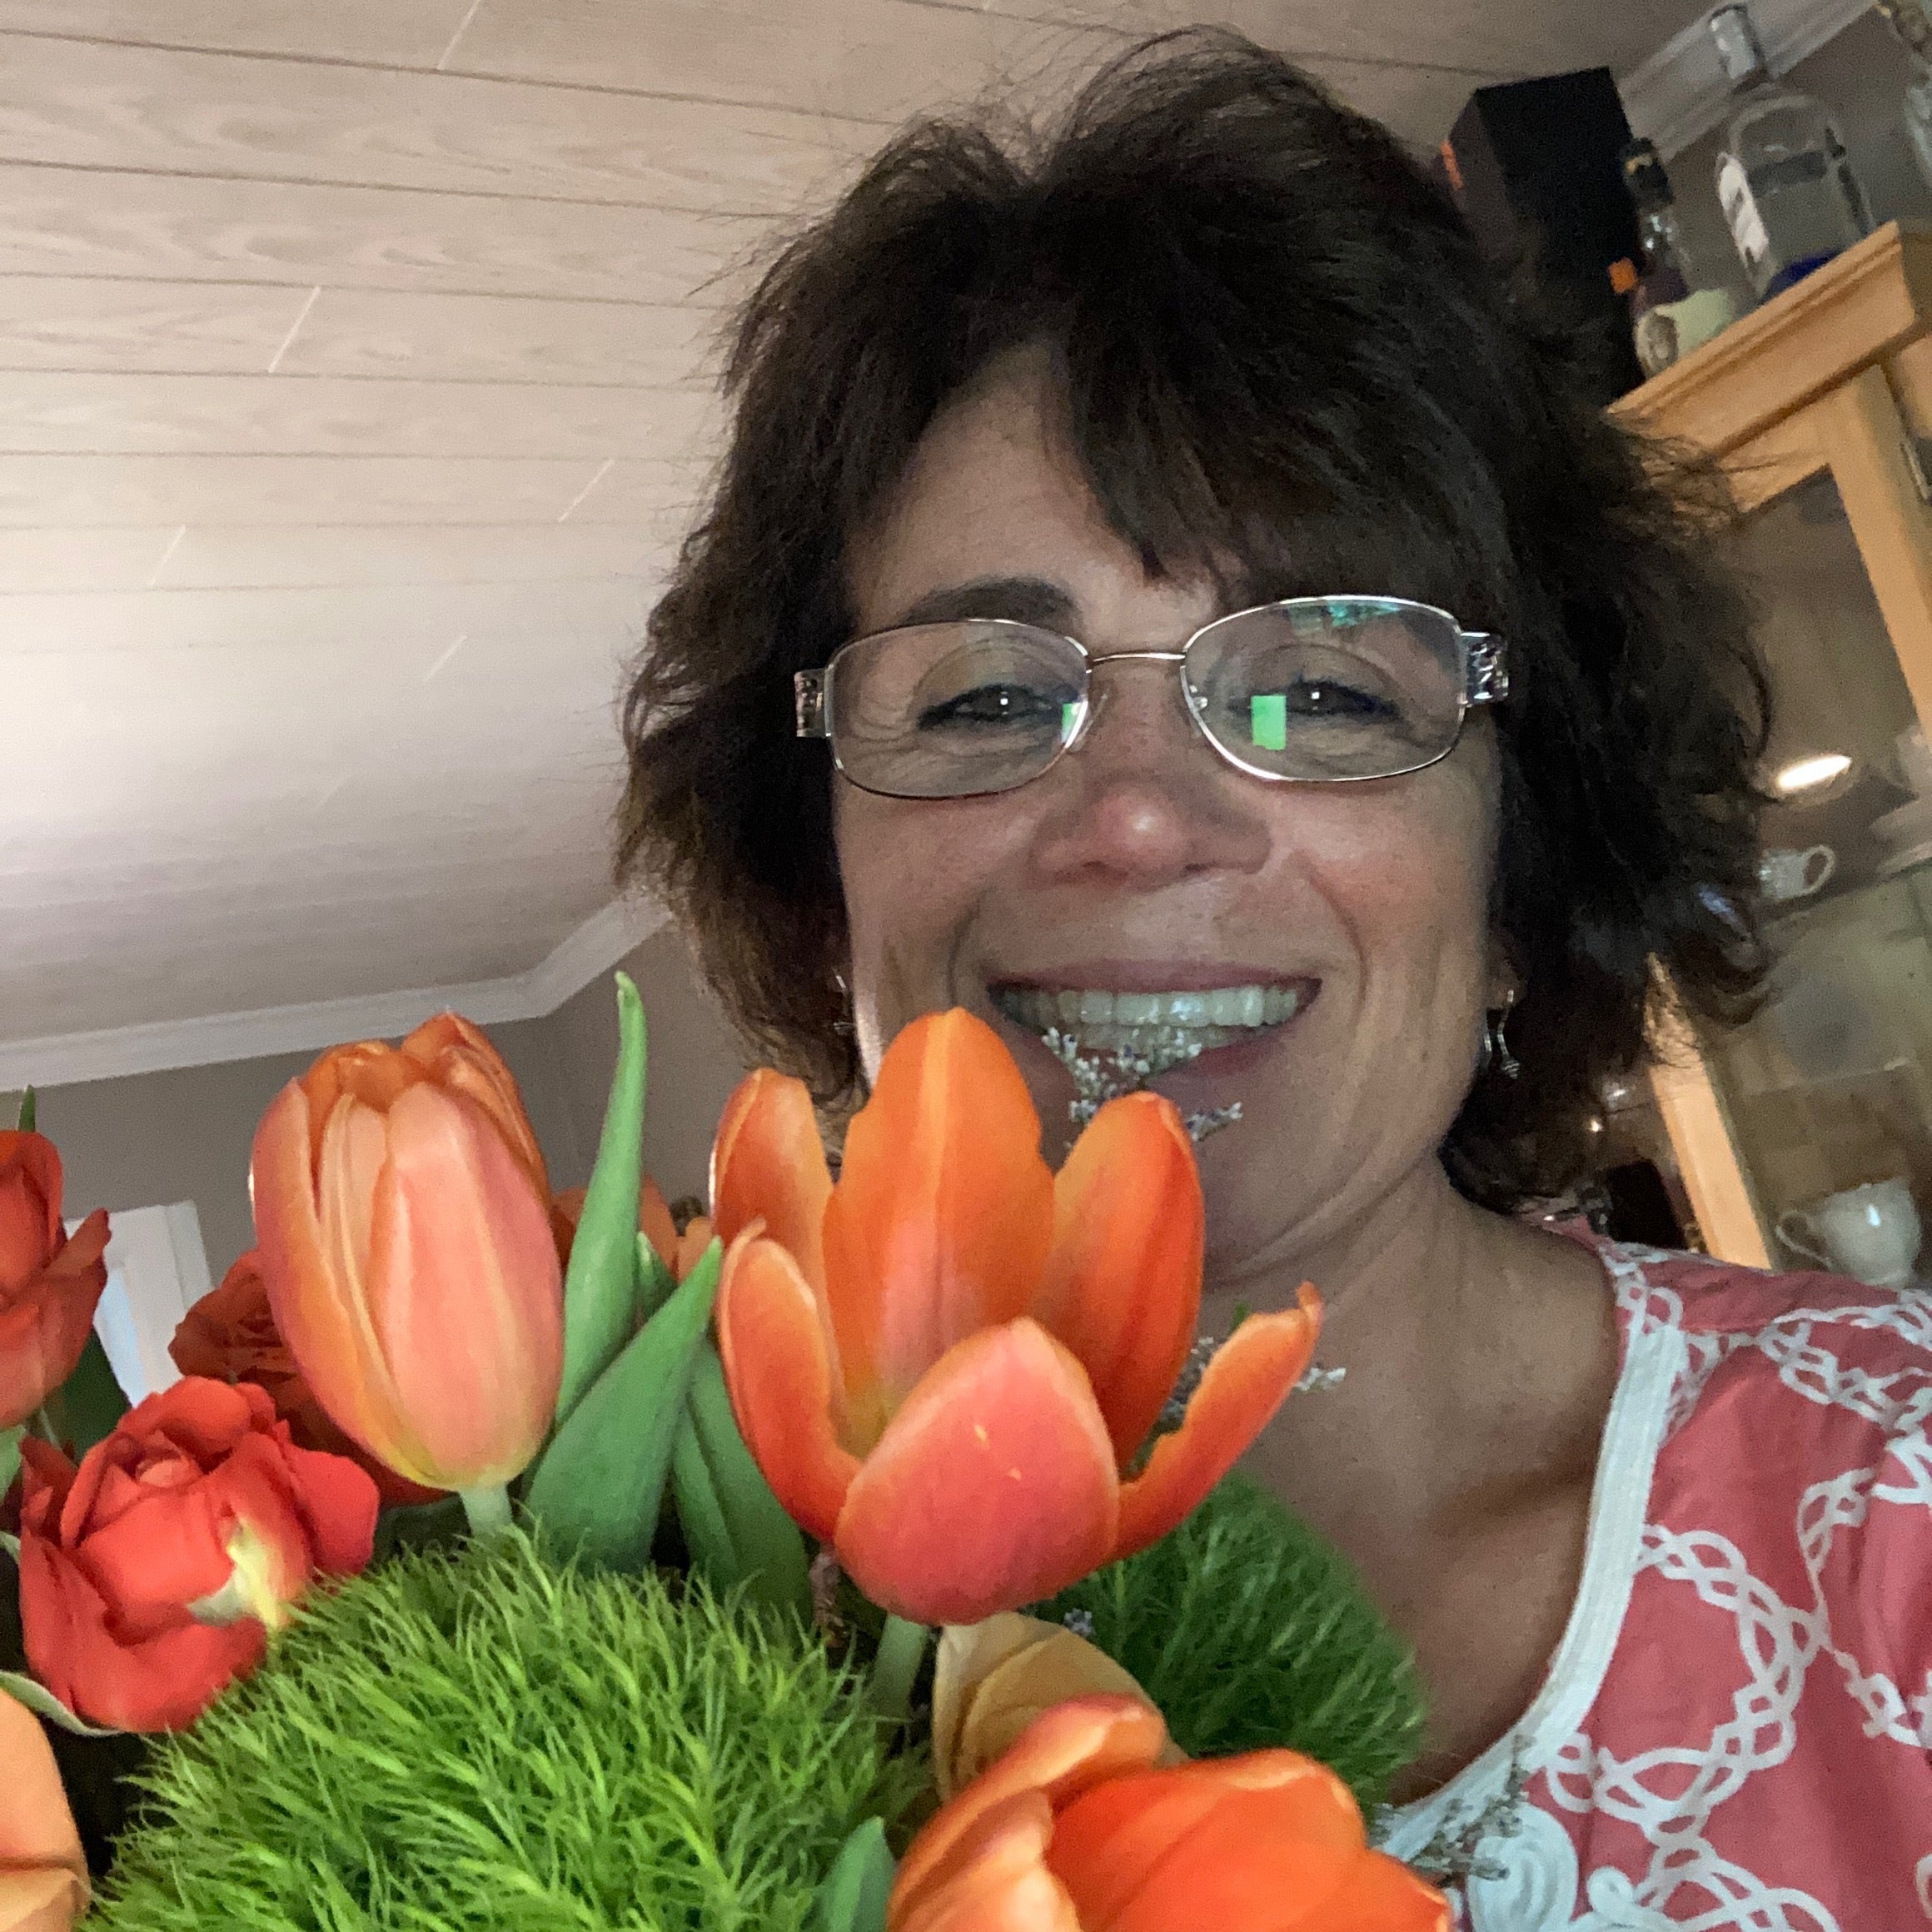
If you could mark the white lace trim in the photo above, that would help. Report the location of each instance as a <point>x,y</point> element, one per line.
<point>1633,1433</point>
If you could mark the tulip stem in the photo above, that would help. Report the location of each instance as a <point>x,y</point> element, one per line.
<point>488,1509</point>
<point>902,1649</point>
<point>45,1425</point>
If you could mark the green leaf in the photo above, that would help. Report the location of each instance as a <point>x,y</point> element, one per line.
<point>42,1702</point>
<point>600,1484</point>
<point>26,1112</point>
<point>654,1281</point>
<point>601,1286</point>
<point>87,1405</point>
<point>853,1895</point>
<point>738,1530</point>
<point>10,1455</point>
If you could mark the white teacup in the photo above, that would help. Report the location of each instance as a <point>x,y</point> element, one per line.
<point>1784,872</point>
<point>1871,1234</point>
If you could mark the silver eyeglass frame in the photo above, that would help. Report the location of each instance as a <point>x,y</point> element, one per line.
<point>1486,681</point>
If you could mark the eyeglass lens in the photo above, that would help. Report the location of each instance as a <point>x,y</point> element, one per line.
<point>1318,688</point>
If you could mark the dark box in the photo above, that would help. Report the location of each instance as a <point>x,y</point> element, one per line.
<point>1535,166</point>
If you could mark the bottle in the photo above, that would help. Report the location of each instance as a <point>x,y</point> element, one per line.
<point>1912,28</point>
<point>1673,308</point>
<point>1783,177</point>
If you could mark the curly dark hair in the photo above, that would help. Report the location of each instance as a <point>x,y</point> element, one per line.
<point>1277,343</point>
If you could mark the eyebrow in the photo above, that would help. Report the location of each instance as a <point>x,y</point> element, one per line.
<point>1019,599</point>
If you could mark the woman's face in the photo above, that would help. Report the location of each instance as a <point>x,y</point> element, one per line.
<point>1143,863</point>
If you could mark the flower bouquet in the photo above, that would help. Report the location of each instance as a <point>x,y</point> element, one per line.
<point>504,1559</point>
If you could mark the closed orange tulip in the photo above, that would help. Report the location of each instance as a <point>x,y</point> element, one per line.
<point>403,1213</point>
<point>1077,1829</point>
<point>43,1879</point>
<point>948,1365</point>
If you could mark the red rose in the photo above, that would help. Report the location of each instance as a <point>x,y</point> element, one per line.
<point>49,1283</point>
<point>150,1576</point>
<point>230,1336</point>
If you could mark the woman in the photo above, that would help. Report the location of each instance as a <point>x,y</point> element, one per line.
<point>1409,731</point>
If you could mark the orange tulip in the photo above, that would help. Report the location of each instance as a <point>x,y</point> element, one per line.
<point>948,1365</point>
<point>1076,1830</point>
<point>43,1879</point>
<point>403,1213</point>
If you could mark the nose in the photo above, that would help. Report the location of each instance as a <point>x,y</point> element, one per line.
<point>1142,799</point>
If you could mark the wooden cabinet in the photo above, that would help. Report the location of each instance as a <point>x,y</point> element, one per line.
<point>1816,404</point>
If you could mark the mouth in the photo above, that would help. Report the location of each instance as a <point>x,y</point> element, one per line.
<point>1161,1028</point>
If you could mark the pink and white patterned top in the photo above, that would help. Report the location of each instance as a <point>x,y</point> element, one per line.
<point>1735,1732</point>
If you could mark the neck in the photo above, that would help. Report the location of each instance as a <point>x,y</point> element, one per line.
<point>1462,1333</point>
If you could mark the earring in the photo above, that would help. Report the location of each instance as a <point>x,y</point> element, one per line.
<point>844,1027</point>
<point>1495,1047</point>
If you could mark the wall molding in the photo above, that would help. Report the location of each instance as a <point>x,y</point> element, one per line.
<point>594,948</point>
<point>1680,94</point>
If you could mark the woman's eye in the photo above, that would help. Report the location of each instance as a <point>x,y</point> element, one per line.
<point>993,705</point>
<point>1327,698</point>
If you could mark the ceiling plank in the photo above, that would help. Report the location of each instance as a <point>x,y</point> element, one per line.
<point>865,60</point>
<point>463,338</point>
<point>318,415</point>
<point>223,558</point>
<point>85,560</point>
<point>94,104</point>
<point>404,33</point>
<point>550,619</point>
<point>84,491</point>
<point>57,321</point>
<point>83,324</point>
<point>1478,35</point>
<point>57,221</point>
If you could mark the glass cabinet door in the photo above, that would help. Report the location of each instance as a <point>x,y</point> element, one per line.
<point>1827,1092</point>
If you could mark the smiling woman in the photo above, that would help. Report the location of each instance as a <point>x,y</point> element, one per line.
<point>1160,591</point>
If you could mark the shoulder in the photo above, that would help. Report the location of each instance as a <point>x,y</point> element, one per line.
<point>1798,1435</point>
<point>1834,1344</point>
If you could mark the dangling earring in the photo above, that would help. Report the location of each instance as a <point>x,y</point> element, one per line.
<point>1495,1047</point>
<point>844,1027</point>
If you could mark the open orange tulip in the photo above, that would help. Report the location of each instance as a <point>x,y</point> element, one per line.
<point>946,1365</point>
<point>1076,1830</point>
<point>403,1214</point>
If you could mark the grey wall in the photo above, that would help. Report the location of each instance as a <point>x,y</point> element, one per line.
<point>184,1135</point>
<point>1861,74</point>
<point>694,1063</point>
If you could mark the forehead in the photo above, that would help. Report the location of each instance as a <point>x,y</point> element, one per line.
<point>994,492</point>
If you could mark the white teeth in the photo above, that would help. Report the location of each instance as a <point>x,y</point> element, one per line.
<point>1136,1022</point>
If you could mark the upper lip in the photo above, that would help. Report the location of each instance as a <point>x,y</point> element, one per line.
<point>1147,976</point>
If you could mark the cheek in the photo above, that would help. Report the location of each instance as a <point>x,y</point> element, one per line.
<point>914,874</point>
<point>1407,874</point>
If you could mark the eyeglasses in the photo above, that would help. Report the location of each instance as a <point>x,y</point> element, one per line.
<point>1320,690</point>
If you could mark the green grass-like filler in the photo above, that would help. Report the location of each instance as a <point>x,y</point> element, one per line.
<point>1247,1630</point>
<point>480,1739</point>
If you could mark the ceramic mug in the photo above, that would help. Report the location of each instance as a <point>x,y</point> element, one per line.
<point>1784,872</point>
<point>1871,1234</point>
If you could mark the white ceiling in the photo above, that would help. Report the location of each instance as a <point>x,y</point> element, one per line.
<point>351,398</point>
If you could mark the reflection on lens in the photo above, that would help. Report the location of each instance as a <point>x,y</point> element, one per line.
<point>1332,688</point>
